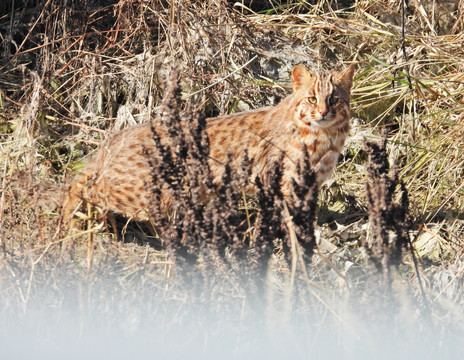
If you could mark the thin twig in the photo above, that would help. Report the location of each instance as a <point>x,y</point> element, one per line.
<point>222,79</point>
<point>403,46</point>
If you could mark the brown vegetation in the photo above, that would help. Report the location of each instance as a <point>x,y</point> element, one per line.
<point>73,72</point>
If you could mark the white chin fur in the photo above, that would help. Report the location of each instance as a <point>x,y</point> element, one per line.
<point>318,123</point>
<point>321,123</point>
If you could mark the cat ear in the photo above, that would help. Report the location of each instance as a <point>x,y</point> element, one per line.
<point>345,77</point>
<point>300,77</point>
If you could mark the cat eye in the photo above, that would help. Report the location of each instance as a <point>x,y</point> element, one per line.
<point>312,100</point>
<point>333,100</point>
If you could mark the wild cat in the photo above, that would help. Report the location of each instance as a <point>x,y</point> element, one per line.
<point>315,116</point>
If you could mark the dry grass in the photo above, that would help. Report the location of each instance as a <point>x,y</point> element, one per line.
<point>72,75</point>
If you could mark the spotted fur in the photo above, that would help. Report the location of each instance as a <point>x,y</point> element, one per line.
<point>316,116</point>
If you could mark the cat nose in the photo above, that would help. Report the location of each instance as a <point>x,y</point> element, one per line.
<point>323,111</point>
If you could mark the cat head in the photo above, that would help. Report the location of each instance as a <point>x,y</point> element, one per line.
<point>321,98</point>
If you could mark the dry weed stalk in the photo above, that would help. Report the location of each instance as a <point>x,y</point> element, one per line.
<point>197,232</point>
<point>390,222</point>
<point>303,205</point>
